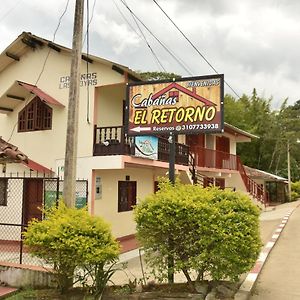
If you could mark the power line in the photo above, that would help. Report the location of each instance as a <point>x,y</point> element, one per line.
<point>9,11</point>
<point>87,35</point>
<point>44,64</point>
<point>89,20</point>
<point>144,37</point>
<point>177,59</point>
<point>125,19</point>
<point>195,48</point>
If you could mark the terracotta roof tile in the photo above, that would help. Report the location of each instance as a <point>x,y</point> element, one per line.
<point>10,153</point>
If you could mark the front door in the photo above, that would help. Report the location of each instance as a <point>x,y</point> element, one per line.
<point>33,199</point>
<point>196,142</point>
<point>222,147</point>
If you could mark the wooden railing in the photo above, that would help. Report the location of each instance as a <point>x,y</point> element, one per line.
<point>111,140</point>
<point>207,158</point>
<point>252,187</point>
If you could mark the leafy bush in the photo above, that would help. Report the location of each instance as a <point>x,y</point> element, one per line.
<point>70,238</point>
<point>210,231</point>
<point>295,190</point>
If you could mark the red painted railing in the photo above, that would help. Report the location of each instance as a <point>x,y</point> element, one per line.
<point>252,187</point>
<point>207,158</point>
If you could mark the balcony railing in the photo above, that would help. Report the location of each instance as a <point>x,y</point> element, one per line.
<point>207,158</point>
<point>112,141</point>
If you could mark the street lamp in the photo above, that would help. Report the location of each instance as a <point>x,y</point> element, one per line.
<point>289,168</point>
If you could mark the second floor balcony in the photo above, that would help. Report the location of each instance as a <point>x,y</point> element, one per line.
<point>113,141</point>
<point>208,158</point>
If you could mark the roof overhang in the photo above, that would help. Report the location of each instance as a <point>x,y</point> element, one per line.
<point>260,174</point>
<point>34,166</point>
<point>241,135</point>
<point>26,42</point>
<point>20,92</point>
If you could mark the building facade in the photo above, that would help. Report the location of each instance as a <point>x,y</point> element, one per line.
<point>34,90</point>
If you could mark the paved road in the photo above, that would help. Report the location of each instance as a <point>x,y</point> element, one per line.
<point>280,277</point>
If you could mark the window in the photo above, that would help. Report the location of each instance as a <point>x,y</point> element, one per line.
<point>127,195</point>
<point>36,115</point>
<point>3,191</point>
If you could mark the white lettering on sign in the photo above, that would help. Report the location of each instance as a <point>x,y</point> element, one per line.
<point>86,79</point>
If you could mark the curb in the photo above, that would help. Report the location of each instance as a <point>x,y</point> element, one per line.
<point>246,287</point>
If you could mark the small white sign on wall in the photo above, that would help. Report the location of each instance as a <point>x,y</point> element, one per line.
<point>98,186</point>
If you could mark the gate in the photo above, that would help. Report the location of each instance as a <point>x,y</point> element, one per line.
<point>21,200</point>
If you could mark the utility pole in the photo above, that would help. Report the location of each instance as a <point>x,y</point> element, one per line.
<point>289,170</point>
<point>172,157</point>
<point>73,109</point>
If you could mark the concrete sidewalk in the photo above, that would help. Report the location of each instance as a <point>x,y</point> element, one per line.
<point>279,278</point>
<point>269,220</point>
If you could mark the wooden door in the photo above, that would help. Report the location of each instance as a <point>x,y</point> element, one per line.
<point>222,145</point>
<point>33,199</point>
<point>220,182</point>
<point>196,142</point>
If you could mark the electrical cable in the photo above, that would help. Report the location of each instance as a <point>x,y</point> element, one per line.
<point>195,48</point>
<point>125,19</point>
<point>10,11</point>
<point>44,64</point>
<point>177,59</point>
<point>144,37</point>
<point>90,21</point>
<point>87,63</point>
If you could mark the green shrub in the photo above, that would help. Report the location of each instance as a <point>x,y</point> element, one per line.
<point>210,231</point>
<point>70,238</point>
<point>295,190</point>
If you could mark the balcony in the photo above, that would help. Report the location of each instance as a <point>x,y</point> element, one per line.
<point>207,158</point>
<point>112,141</point>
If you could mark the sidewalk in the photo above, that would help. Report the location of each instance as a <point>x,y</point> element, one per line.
<point>269,220</point>
<point>279,278</point>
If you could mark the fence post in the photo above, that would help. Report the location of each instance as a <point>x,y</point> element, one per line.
<point>57,191</point>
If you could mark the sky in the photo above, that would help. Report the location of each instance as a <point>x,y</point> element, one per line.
<point>255,44</point>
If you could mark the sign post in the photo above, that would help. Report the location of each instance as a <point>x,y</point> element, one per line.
<point>185,106</point>
<point>171,140</point>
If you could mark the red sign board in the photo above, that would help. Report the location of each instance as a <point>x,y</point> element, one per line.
<point>188,105</point>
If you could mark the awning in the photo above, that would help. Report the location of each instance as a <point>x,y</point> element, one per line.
<point>41,94</point>
<point>34,166</point>
<point>260,174</point>
<point>19,92</point>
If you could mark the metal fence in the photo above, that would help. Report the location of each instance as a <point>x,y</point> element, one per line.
<point>21,199</point>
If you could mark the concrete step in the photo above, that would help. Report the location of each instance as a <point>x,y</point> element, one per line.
<point>6,291</point>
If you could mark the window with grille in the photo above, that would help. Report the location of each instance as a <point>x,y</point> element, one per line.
<point>3,191</point>
<point>127,195</point>
<point>36,115</point>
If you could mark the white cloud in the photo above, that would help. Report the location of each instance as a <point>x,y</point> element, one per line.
<point>117,34</point>
<point>254,43</point>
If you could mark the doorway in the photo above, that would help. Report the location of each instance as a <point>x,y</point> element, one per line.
<point>33,199</point>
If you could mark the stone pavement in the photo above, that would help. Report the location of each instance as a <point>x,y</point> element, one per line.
<point>279,278</point>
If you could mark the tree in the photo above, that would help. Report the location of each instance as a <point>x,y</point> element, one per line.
<point>210,231</point>
<point>149,76</point>
<point>70,238</point>
<point>274,128</point>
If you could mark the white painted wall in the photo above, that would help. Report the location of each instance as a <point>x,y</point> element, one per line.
<point>48,145</point>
